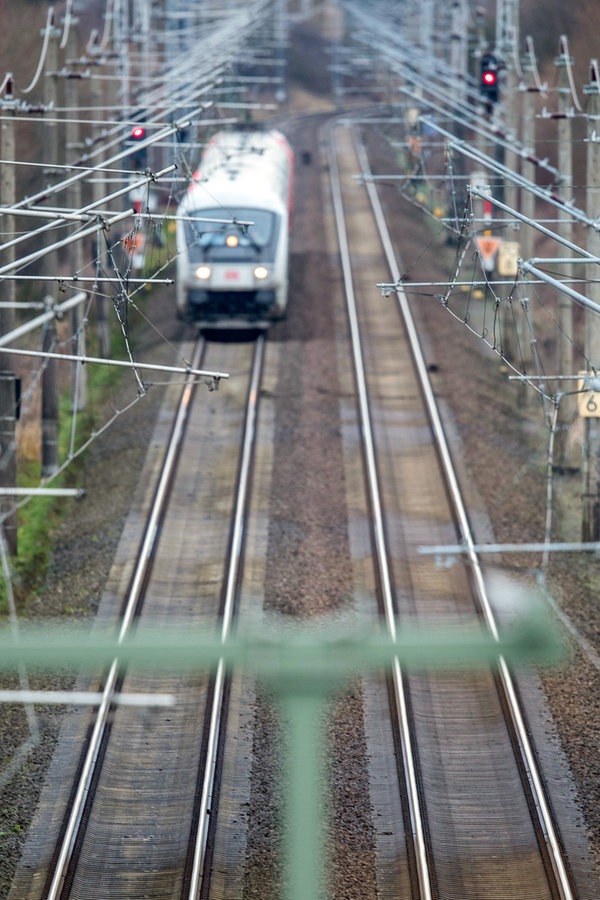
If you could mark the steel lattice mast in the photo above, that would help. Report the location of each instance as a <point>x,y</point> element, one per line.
<point>507,26</point>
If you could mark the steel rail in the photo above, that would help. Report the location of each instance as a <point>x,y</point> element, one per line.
<point>382,561</point>
<point>533,776</point>
<point>229,605</point>
<point>143,562</point>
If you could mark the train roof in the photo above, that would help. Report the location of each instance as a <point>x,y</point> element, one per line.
<point>243,168</point>
<point>244,150</point>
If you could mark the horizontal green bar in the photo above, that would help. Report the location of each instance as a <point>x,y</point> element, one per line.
<point>312,655</point>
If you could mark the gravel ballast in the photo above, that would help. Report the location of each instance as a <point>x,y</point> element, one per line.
<point>503,446</point>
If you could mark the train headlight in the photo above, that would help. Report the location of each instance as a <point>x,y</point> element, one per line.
<point>203,273</point>
<point>261,272</point>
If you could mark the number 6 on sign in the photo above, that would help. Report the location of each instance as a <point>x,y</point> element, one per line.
<point>589,398</point>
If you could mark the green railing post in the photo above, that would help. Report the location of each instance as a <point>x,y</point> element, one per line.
<point>304,813</point>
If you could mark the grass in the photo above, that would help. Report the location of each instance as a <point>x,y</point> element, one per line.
<point>40,517</point>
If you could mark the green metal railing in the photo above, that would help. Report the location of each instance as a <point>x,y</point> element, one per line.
<point>303,667</point>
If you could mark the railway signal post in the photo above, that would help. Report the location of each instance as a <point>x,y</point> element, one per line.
<point>591,444</point>
<point>564,452</point>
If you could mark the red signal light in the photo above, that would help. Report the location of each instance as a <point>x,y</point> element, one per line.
<point>138,133</point>
<point>489,79</point>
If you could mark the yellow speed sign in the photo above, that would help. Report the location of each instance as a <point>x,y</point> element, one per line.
<point>508,258</point>
<point>589,398</point>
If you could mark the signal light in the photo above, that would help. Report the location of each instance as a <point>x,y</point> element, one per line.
<point>140,156</point>
<point>488,81</point>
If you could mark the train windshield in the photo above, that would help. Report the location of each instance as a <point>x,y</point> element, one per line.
<point>224,239</point>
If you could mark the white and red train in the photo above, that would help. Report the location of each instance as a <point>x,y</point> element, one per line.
<point>233,228</point>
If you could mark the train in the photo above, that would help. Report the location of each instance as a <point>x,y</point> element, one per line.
<point>233,231</point>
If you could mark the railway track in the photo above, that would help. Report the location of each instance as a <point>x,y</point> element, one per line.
<point>137,818</point>
<point>477,821</point>
<point>171,803</point>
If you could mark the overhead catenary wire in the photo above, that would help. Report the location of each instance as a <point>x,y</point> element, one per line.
<point>170,103</point>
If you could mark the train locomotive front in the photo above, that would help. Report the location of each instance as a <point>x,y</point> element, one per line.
<point>233,232</point>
